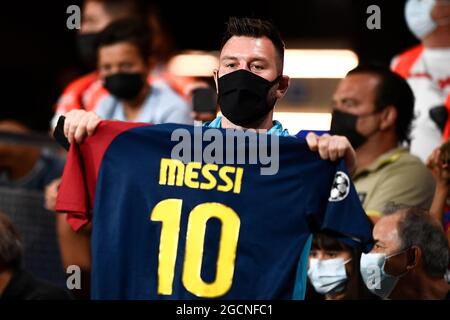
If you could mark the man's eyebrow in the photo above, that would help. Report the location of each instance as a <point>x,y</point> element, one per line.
<point>377,241</point>
<point>254,58</point>
<point>228,58</point>
<point>260,59</point>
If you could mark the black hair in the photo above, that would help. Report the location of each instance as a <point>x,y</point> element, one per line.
<point>128,30</point>
<point>392,90</point>
<point>254,28</point>
<point>329,241</point>
<point>150,14</point>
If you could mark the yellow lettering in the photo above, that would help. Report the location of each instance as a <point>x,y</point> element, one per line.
<point>238,180</point>
<point>206,172</point>
<point>174,172</point>
<point>225,178</point>
<point>169,169</point>
<point>190,175</point>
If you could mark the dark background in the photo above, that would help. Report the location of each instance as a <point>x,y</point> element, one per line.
<point>38,56</point>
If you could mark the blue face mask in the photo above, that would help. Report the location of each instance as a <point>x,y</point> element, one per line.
<point>375,277</point>
<point>328,276</point>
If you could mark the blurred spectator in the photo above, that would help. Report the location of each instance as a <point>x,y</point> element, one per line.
<point>427,69</point>
<point>16,283</point>
<point>373,108</point>
<point>24,166</point>
<point>84,92</point>
<point>439,164</point>
<point>410,256</point>
<point>123,63</point>
<point>334,269</point>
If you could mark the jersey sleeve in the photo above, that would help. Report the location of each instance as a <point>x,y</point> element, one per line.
<point>336,207</point>
<point>77,189</point>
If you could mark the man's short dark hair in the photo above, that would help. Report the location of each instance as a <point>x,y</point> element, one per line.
<point>392,90</point>
<point>254,28</point>
<point>417,227</point>
<point>11,248</point>
<point>131,31</point>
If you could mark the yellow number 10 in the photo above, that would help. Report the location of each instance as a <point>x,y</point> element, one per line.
<point>169,213</point>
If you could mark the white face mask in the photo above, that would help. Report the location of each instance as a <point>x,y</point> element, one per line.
<point>328,276</point>
<point>376,279</point>
<point>418,17</point>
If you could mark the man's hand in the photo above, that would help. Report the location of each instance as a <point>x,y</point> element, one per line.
<point>333,148</point>
<point>439,170</point>
<point>79,124</point>
<point>51,192</point>
<point>441,174</point>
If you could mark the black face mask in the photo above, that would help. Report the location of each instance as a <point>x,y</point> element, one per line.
<point>124,86</point>
<point>243,96</point>
<point>344,124</point>
<point>87,48</point>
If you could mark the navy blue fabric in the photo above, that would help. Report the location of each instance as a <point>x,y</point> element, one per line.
<point>278,213</point>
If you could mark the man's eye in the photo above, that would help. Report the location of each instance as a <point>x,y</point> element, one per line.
<point>258,67</point>
<point>126,65</point>
<point>350,103</point>
<point>230,65</point>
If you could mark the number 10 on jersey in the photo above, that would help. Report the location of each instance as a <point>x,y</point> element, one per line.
<point>168,212</point>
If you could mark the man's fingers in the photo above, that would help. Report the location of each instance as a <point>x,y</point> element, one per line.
<point>67,123</point>
<point>313,140</point>
<point>334,149</point>
<point>324,147</point>
<point>72,129</point>
<point>72,120</point>
<point>342,146</point>
<point>80,123</point>
<point>80,132</point>
<point>92,124</point>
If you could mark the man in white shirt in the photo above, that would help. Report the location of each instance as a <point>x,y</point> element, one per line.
<point>427,70</point>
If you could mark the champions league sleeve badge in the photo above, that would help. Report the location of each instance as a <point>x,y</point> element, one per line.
<point>340,187</point>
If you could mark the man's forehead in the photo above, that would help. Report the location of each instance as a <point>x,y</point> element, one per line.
<point>386,229</point>
<point>357,84</point>
<point>247,47</point>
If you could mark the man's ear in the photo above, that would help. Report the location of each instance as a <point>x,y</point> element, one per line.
<point>283,85</point>
<point>216,77</point>
<point>388,117</point>
<point>414,255</point>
